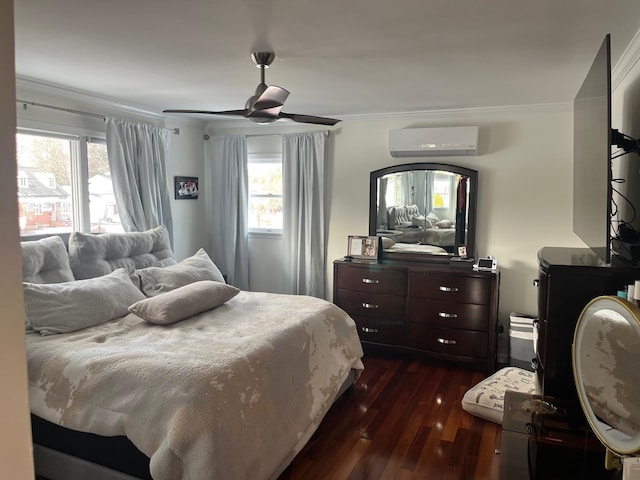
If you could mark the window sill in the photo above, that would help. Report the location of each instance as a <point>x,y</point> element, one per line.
<point>266,233</point>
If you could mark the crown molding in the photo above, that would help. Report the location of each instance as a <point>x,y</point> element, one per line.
<point>627,62</point>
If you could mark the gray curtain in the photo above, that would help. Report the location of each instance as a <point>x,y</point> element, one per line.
<point>303,156</point>
<point>227,201</point>
<point>137,159</point>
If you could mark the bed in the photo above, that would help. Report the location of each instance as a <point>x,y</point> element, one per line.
<point>194,379</point>
<point>410,226</point>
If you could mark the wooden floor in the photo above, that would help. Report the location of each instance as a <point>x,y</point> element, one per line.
<point>403,420</point>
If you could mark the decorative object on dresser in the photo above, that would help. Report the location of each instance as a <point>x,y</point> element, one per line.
<point>568,279</point>
<point>447,313</point>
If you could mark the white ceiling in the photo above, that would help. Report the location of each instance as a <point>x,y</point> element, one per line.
<point>338,58</point>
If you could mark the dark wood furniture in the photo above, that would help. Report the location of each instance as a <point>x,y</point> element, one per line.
<point>555,445</point>
<point>443,311</point>
<point>568,279</point>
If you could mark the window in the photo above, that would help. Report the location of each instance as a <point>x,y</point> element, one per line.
<point>265,192</point>
<point>64,184</point>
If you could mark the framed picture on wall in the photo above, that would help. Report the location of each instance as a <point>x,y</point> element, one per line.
<point>186,188</point>
<point>361,247</point>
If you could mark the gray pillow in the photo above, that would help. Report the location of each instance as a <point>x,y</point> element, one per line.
<point>155,280</point>
<point>184,302</point>
<point>95,255</point>
<point>46,261</point>
<point>66,307</point>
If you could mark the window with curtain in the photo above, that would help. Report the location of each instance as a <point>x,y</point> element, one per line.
<point>64,184</point>
<point>265,192</point>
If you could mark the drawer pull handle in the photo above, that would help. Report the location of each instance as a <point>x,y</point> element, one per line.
<point>369,280</point>
<point>369,305</point>
<point>369,330</point>
<point>448,315</point>
<point>445,341</point>
<point>448,289</point>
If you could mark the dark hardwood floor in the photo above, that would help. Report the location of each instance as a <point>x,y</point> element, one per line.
<point>402,420</point>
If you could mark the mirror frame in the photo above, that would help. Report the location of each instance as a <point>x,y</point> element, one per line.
<point>630,313</point>
<point>471,210</point>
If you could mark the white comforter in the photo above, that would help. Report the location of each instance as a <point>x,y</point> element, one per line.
<point>231,393</point>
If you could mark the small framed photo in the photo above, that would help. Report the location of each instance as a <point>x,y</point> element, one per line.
<point>186,188</point>
<point>365,248</point>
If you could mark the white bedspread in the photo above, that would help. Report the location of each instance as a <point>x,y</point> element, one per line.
<point>233,393</point>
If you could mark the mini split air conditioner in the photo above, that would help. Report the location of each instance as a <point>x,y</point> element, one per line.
<point>434,142</point>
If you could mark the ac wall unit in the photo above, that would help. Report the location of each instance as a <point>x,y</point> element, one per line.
<point>434,142</point>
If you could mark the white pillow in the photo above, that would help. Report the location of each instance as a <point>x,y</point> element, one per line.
<point>387,242</point>
<point>444,224</point>
<point>65,307</point>
<point>486,399</point>
<point>184,302</point>
<point>156,280</point>
<point>433,218</point>
<point>45,261</point>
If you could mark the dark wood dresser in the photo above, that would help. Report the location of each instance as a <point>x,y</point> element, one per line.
<point>568,279</point>
<point>445,312</point>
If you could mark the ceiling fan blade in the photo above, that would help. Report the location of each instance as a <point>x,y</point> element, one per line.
<point>273,96</point>
<point>209,112</point>
<point>265,113</point>
<point>309,119</point>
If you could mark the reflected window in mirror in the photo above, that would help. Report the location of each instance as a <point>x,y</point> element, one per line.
<point>424,209</point>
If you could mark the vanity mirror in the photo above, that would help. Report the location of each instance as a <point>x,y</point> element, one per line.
<point>424,211</point>
<point>606,355</point>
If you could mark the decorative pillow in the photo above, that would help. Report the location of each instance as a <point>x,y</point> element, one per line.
<point>433,218</point>
<point>95,255</point>
<point>486,399</point>
<point>422,221</point>
<point>45,261</point>
<point>155,280</point>
<point>444,224</point>
<point>183,302</point>
<point>387,242</point>
<point>66,307</point>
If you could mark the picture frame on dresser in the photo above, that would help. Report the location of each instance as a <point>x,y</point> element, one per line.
<point>363,247</point>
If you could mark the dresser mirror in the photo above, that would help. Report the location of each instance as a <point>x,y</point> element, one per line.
<point>606,355</point>
<point>424,211</point>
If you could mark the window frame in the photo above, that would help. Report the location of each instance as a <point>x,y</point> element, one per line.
<point>79,171</point>
<point>265,158</point>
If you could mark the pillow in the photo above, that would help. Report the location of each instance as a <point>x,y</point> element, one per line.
<point>155,280</point>
<point>422,221</point>
<point>93,255</point>
<point>183,302</point>
<point>444,224</point>
<point>67,307</point>
<point>433,218</point>
<point>486,399</point>
<point>45,261</point>
<point>387,242</point>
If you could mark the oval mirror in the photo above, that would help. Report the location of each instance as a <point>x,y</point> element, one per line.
<point>424,211</point>
<point>606,369</point>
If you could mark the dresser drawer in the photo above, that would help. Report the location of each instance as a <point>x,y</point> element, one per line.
<point>372,305</point>
<point>381,331</point>
<point>371,279</point>
<point>465,343</point>
<point>450,288</point>
<point>468,316</point>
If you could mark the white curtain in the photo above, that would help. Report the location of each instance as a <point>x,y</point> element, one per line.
<point>303,156</point>
<point>227,200</point>
<point>137,159</point>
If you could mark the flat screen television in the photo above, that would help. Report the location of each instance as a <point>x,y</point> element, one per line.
<point>592,142</point>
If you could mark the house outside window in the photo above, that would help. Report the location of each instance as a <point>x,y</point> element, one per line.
<point>265,193</point>
<point>64,184</point>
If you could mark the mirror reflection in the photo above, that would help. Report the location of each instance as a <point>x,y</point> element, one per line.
<point>424,208</point>
<point>606,355</point>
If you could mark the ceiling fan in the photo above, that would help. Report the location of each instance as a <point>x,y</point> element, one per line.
<point>265,105</point>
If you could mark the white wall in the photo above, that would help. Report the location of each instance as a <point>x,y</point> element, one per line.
<point>16,460</point>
